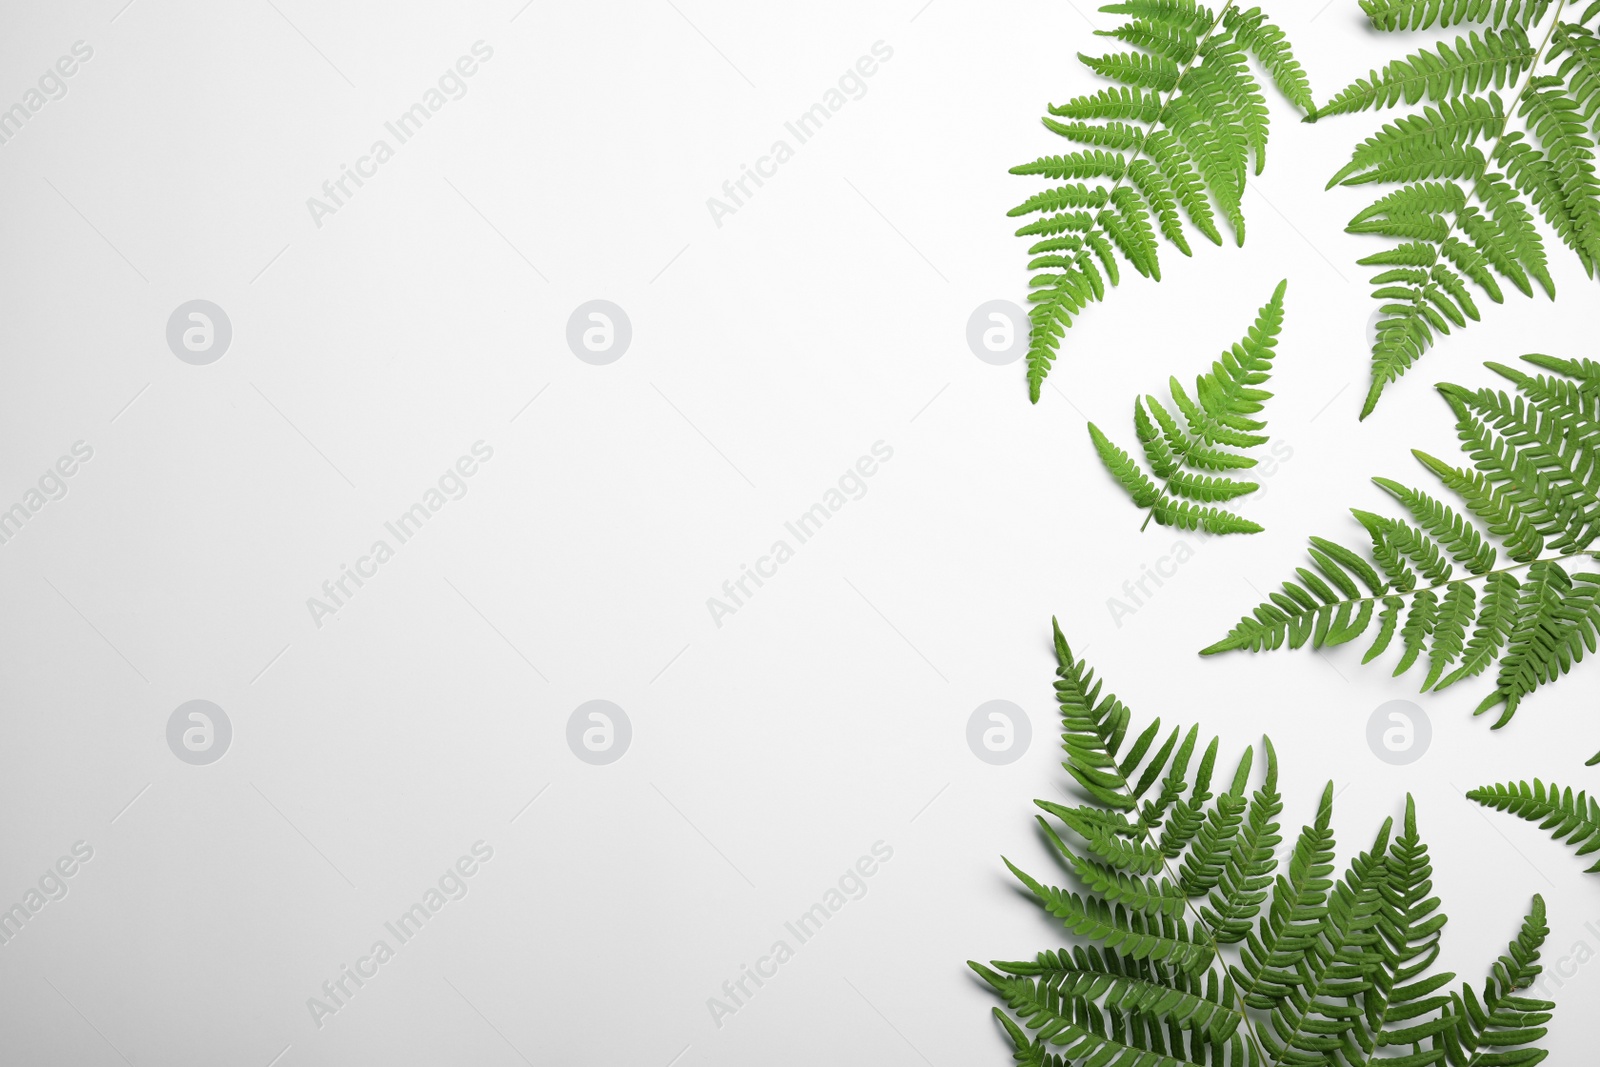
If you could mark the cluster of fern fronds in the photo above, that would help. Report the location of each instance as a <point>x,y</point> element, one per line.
<point>1206,434</point>
<point>1191,946</point>
<point>1167,148</point>
<point>1534,488</point>
<point>1474,166</point>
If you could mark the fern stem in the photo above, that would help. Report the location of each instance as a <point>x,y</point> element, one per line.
<point>1538,56</point>
<point>1166,491</point>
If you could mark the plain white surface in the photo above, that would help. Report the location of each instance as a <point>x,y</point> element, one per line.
<point>768,354</point>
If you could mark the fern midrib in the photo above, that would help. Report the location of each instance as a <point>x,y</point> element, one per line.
<point>1199,920</point>
<point>1516,98</point>
<point>1166,492</point>
<point>1150,512</point>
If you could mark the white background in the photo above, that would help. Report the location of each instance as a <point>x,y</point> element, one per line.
<point>768,354</point>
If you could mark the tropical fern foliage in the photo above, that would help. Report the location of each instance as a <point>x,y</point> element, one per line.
<point>1192,946</point>
<point>1570,817</point>
<point>1208,433</point>
<point>1474,167</point>
<point>1166,148</point>
<point>1534,487</point>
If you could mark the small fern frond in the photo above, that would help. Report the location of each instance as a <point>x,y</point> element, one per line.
<point>1166,149</point>
<point>1208,432</point>
<point>1501,1025</point>
<point>1472,168</point>
<point>1532,492</point>
<point>1187,946</point>
<point>1570,817</point>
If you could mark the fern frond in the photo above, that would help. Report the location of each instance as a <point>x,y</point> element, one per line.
<point>1268,971</point>
<point>1241,884</point>
<point>1311,1016</point>
<point>1534,489</point>
<point>1570,817</point>
<point>1134,481</point>
<point>1167,146</point>
<point>1403,1005</point>
<point>1136,892</point>
<point>1555,119</point>
<point>1203,867</point>
<point>1269,45</point>
<point>1473,169</point>
<point>1207,433</point>
<point>1500,1026</point>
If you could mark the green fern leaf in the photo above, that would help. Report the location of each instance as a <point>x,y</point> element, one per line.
<point>1206,434</point>
<point>1138,893</point>
<point>1403,1005</point>
<point>1455,534</point>
<point>1167,146</point>
<point>1457,611</point>
<point>1570,817</point>
<point>1203,867</point>
<point>1495,620</point>
<point>1269,45</point>
<point>1556,622</point>
<point>1501,1026</point>
<point>1186,516</point>
<point>1241,884</point>
<point>1534,486</point>
<point>1122,982</point>
<point>1134,481</point>
<point>1268,972</point>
